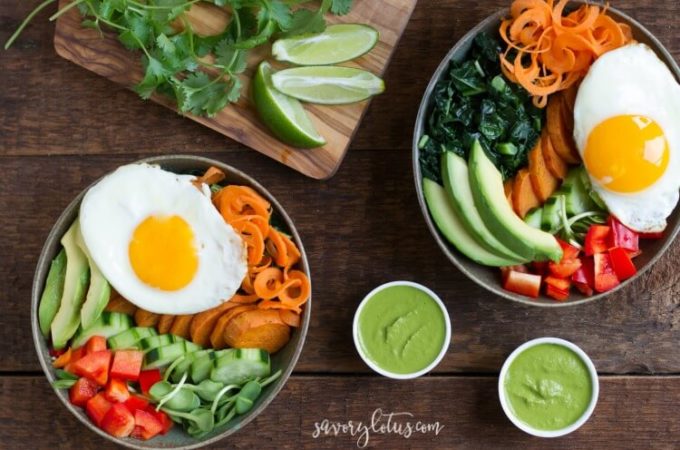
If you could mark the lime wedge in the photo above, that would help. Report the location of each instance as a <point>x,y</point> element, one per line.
<point>328,85</point>
<point>284,116</point>
<point>339,43</point>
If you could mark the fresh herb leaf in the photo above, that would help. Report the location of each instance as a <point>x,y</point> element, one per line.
<point>341,7</point>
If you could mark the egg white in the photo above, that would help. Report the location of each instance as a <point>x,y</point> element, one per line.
<point>113,208</point>
<point>633,80</point>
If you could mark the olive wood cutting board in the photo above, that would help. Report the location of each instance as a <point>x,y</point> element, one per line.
<point>105,56</point>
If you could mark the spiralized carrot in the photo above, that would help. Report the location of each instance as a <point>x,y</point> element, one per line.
<point>551,50</point>
<point>277,247</point>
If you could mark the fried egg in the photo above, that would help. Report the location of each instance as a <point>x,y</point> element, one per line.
<point>160,242</point>
<point>627,130</point>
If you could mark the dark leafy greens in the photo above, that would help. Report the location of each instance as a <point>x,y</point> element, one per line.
<point>473,100</point>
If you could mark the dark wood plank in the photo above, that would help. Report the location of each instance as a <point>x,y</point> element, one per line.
<point>632,413</point>
<point>360,229</point>
<point>44,95</point>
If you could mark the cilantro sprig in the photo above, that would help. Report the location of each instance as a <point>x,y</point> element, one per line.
<point>200,72</point>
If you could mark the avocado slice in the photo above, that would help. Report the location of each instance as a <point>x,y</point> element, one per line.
<point>67,319</point>
<point>98,293</point>
<point>451,226</point>
<point>457,185</point>
<point>51,296</point>
<point>486,183</point>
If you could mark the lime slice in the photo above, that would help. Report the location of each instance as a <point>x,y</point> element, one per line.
<point>328,85</point>
<point>337,44</point>
<point>284,115</point>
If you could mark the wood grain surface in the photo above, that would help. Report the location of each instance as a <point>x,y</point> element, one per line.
<point>631,414</point>
<point>61,127</point>
<point>105,56</point>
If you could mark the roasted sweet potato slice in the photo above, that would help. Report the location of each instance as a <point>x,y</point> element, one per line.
<point>181,325</point>
<point>217,335</point>
<point>560,135</point>
<point>120,305</point>
<point>523,196</point>
<point>145,318</point>
<point>543,182</point>
<point>569,97</point>
<point>258,328</point>
<point>164,323</point>
<point>553,162</point>
<point>203,324</point>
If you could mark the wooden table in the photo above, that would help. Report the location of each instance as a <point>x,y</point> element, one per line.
<point>61,127</point>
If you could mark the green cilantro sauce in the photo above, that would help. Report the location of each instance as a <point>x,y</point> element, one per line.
<point>548,387</point>
<point>401,329</point>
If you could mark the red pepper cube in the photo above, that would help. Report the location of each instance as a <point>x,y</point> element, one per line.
<point>623,265</point>
<point>135,402</point>
<point>97,407</point>
<point>94,366</point>
<point>76,355</point>
<point>146,425</point>
<point>565,268</point>
<point>622,236</point>
<point>118,421</point>
<point>523,283</point>
<point>561,284</point>
<point>605,277</point>
<point>596,240</point>
<point>95,344</point>
<point>568,250</point>
<point>164,419</point>
<point>555,293</point>
<point>148,378</point>
<point>82,391</point>
<point>127,364</point>
<point>584,288</point>
<point>117,390</point>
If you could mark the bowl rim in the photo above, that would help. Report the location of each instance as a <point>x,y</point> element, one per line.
<point>593,397</point>
<point>450,252</point>
<point>45,258</point>
<point>387,373</point>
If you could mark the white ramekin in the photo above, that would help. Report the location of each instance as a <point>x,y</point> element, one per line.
<point>375,367</point>
<point>549,433</point>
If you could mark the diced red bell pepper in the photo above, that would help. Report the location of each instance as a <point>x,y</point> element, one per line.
<point>584,289</point>
<point>95,344</point>
<point>632,255</point>
<point>558,283</point>
<point>127,364</point>
<point>518,268</point>
<point>568,250</point>
<point>586,273</point>
<point>605,277</point>
<point>118,421</point>
<point>565,268</point>
<point>622,236</point>
<point>97,407</point>
<point>82,391</point>
<point>75,356</point>
<point>523,283</point>
<point>555,293</point>
<point>94,366</point>
<point>117,390</point>
<point>146,425</point>
<point>148,378</point>
<point>623,265</point>
<point>164,419</point>
<point>135,402</point>
<point>655,235</point>
<point>596,240</point>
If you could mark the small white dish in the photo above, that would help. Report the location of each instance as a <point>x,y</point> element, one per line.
<point>549,433</point>
<point>402,376</point>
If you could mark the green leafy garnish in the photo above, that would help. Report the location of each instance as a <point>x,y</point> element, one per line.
<point>173,55</point>
<point>474,101</point>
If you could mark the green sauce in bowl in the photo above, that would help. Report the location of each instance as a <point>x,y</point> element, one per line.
<point>402,329</point>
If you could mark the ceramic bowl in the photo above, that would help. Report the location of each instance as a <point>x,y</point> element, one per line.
<point>285,359</point>
<point>488,277</point>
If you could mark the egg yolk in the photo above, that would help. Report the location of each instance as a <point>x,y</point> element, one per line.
<point>626,153</point>
<point>162,252</point>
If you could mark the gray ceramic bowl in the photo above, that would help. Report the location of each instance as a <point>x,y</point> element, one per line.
<point>490,277</point>
<point>285,359</point>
